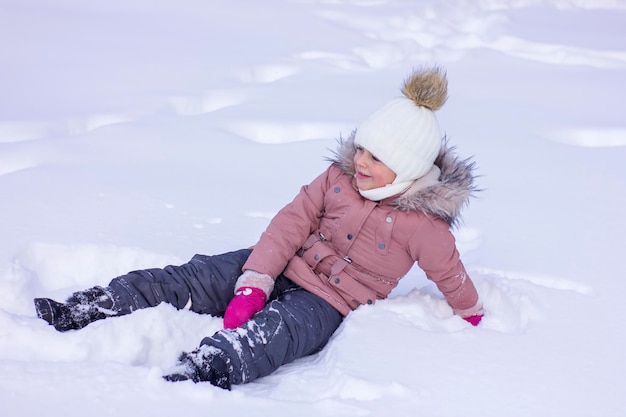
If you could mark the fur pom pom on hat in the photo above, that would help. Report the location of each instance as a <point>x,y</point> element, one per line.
<point>404,134</point>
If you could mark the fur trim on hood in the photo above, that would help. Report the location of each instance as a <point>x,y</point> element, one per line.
<point>444,200</point>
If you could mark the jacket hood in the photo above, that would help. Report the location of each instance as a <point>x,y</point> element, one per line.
<point>444,200</point>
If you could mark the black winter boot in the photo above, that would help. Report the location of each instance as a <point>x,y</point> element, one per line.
<point>205,364</point>
<point>80,309</point>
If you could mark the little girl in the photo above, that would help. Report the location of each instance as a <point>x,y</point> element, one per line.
<point>388,199</point>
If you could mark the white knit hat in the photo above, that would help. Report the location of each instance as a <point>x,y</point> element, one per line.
<point>404,134</point>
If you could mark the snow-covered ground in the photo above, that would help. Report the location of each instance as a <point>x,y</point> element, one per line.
<point>136,133</point>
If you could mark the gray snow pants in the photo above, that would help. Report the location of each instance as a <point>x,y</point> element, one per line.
<point>294,323</point>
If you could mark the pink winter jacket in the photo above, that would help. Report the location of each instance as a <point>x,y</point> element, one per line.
<point>351,251</point>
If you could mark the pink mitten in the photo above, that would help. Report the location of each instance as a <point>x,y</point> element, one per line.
<point>474,320</point>
<point>247,302</point>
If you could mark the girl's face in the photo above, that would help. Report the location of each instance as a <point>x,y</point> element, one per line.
<point>370,172</point>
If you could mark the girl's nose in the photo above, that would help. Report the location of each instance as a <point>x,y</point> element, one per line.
<point>361,161</point>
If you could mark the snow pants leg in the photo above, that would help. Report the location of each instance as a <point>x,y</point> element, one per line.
<point>296,324</point>
<point>204,285</point>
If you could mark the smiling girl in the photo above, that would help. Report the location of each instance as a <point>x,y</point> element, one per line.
<point>389,198</point>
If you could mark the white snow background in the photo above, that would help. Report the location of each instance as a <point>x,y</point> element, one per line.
<point>137,133</point>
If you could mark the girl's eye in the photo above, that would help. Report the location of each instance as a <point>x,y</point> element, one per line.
<point>375,159</point>
<point>359,148</point>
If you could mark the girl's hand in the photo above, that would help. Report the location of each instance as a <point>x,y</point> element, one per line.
<point>474,320</point>
<point>247,302</point>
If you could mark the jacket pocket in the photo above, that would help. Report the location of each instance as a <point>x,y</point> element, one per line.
<point>353,291</point>
<point>315,250</point>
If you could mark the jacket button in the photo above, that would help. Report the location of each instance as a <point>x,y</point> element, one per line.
<point>337,280</point>
<point>337,189</point>
<point>370,302</point>
<point>388,219</point>
<point>350,237</point>
<point>381,246</point>
<point>316,257</point>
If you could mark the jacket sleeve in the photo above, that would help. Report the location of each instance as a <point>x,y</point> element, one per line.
<point>291,226</point>
<point>434,248</point>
